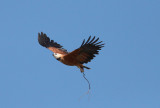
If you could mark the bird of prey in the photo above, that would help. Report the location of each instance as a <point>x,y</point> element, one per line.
<point>84,54</point>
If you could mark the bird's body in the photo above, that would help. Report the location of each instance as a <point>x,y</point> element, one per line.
<point>67,61</point>
<point>78,57</point>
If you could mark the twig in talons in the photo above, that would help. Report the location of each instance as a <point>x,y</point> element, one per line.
<point>88,89</point>
<point>87,81</point>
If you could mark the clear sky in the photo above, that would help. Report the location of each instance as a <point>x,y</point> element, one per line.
<point>126,73</point>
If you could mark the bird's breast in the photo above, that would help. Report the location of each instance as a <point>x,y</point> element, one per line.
<point>69,61</point>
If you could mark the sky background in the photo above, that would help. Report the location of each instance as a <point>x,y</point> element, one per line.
<point>126,73</point>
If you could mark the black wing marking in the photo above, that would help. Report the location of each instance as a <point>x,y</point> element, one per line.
<point>90,48</point>
<point>46,42</point>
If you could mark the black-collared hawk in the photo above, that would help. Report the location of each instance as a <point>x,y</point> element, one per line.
<point>84,54</point>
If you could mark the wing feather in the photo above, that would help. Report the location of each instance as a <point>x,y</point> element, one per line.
<point>50,44</point>
<point>92,40</point>
<point>86,52</point>
<point>88,39</point>
<point>83,42</point>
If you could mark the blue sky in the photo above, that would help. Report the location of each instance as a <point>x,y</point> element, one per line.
<point>124,75</point>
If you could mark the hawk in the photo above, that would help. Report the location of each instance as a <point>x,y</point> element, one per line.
<point>84,54</point>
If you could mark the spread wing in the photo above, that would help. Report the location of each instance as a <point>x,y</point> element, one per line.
<point>86,52</point>
<point>50,44</point>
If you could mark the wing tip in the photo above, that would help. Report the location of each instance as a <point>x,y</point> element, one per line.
<point>43,39</point>
<point>93,41</point>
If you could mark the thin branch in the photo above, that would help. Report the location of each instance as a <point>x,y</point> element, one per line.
<point>87,81</point>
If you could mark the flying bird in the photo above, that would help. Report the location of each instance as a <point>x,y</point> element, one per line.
<point>84,54</point>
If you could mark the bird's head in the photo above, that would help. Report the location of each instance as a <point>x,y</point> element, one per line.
<point>57,55</point>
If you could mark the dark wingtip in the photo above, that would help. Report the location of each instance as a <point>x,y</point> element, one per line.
<point>43,39</point>
<point>93,41</point>
<point>83,42</point>
<point>46,42</point>
<point>88,39</point>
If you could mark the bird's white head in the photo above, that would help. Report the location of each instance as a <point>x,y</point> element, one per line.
<point>57,55</point>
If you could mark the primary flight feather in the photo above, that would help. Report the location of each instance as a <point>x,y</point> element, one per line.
<point>84,54</point>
